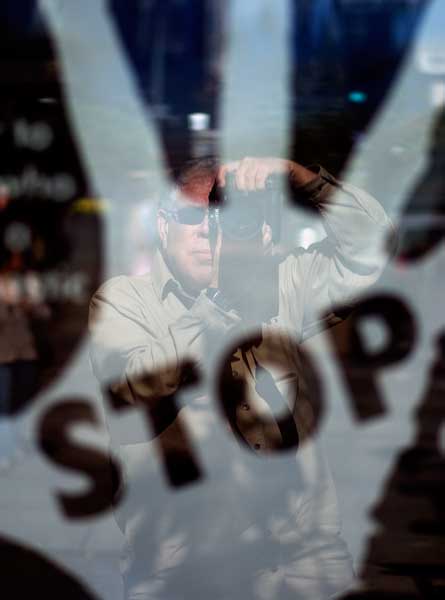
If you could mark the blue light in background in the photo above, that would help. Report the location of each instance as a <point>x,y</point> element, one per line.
<point>357,96</point>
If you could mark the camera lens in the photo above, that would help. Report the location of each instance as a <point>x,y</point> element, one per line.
<point>241,221</point>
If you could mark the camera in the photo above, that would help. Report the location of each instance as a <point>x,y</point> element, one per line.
<point>241,214</point>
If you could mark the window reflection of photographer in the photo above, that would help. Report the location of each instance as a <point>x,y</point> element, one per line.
<point>264,523</point>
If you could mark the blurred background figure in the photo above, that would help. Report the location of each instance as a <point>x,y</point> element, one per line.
<point>20,302</point>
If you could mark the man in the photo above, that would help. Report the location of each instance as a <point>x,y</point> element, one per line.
<point>229,514</point>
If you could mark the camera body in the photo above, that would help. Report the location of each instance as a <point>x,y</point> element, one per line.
<point>241,214</point>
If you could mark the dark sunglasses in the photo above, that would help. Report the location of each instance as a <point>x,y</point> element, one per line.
<point>193,215</point>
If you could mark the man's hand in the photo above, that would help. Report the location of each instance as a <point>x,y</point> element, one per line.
<point>251,173</point>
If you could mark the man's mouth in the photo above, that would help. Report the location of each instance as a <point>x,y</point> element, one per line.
<point>203,255</point>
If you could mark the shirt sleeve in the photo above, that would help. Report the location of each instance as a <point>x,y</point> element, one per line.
<point>330,275</point>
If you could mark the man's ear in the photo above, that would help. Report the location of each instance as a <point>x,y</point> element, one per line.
<point>162,223</point>
<point>267,238</point>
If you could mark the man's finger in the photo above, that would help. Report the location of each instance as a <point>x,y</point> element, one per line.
<point>250,177</point>
<point>239,177</point>
<point>224,169</point>
<point>261,178</point>
<point>242,177</point>
<point>221,176</point>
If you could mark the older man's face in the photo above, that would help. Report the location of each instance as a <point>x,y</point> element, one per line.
<point>189,249</point>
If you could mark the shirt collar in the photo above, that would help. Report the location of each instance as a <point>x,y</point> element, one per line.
<point>164,282</point>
